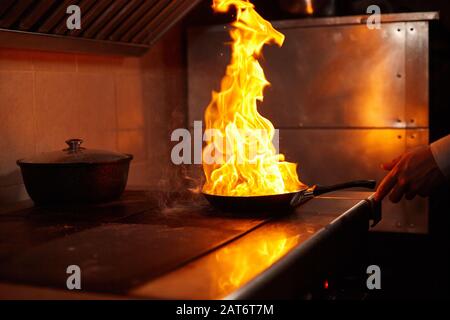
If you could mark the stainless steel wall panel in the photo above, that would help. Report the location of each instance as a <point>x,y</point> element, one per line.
<point>356,20</point>
<point>346,76</point>
<point>208,56</point>
<point>417,78</point>
<point>327,156</point>
<point>345,98</point>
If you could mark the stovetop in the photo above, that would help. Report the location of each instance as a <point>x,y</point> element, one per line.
<point>162,245</point>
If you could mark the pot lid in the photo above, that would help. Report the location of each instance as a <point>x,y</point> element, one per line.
<point>75,153</point>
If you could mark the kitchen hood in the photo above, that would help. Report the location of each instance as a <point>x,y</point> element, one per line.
<point>119,27</point>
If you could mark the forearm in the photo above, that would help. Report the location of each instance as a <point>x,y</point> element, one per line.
<point>441,153</point>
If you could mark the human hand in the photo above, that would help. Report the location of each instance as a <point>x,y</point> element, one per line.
<point>413,173</point>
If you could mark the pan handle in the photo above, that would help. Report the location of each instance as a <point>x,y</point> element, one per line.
<point>369,184</point>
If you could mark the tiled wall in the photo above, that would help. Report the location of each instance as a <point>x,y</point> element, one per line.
<point>115,103</point>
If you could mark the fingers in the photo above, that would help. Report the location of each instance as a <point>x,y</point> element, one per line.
<point>425,189</point>
<point>397,191</point>
<point>431,183</point>
<point>386,186</point>
<point>413,173</point>
<point>410,195</point>
<point>390,165</point>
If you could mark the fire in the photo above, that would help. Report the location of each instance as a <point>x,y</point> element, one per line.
<point>309,7</point>
<point>241,263</point>
<point>244,159</point>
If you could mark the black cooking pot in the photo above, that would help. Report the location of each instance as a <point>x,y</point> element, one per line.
<point>75,175</point>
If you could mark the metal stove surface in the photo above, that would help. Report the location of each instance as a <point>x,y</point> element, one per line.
<point>155,245</point>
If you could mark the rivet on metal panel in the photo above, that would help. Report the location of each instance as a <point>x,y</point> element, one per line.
<point>413,136</point>
<point>411,29</point>
<point>412,225</point>
<point>399,136</point>
<point>399,75</point>
<point>412,120</point>
<point>399,123</point>
<point>399,30</point>
<point>398,224</point>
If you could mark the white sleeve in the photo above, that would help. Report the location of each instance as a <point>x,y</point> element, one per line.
<point>441,153</point>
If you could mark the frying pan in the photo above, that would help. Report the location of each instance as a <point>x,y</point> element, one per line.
<point>282,201</point>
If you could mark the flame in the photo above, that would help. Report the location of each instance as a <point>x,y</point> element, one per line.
<point>244,159</point>
<point>309,7</point>
<point>216,275</point>
<point>242,263</point>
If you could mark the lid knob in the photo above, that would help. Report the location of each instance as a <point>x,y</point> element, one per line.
<point>74,145</point>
